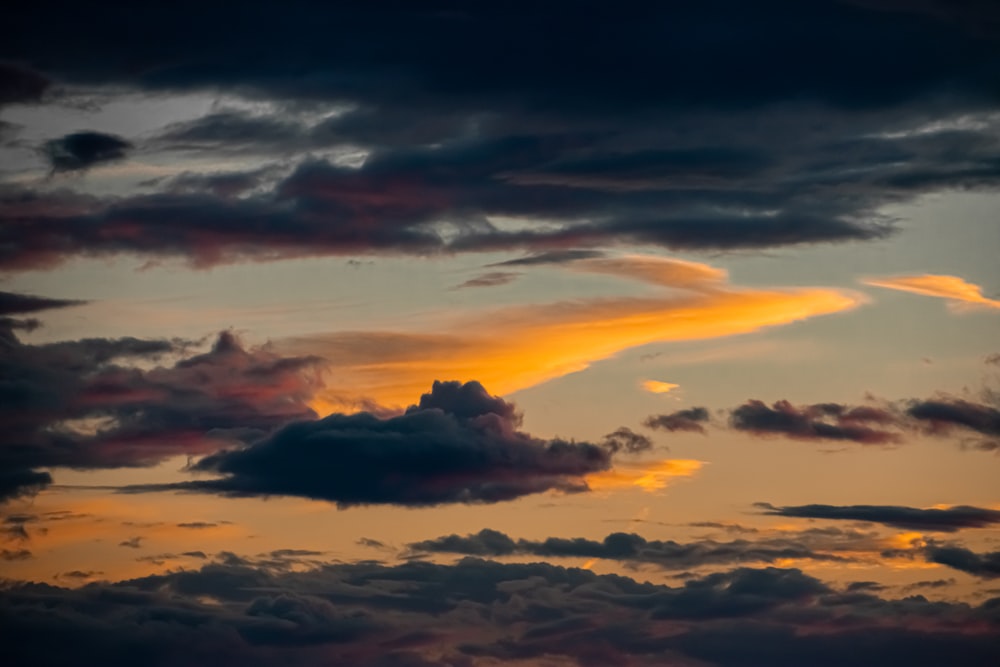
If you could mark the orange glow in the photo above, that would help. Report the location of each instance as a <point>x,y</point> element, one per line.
<point>518,347</point>
<point>649,476</point>
<point>657,387</point>
<point>945,287</point>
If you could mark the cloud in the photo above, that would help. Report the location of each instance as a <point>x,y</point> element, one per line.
<point>822,421</point>
<point>20,85</point>
<point>668,554</point>
<point>689,419</point>
<point>459,444</point>
<point>474,613</point>
<point>948,520</point>
<point>88,404</point>
<point>565,147</point>
<point>491,279</point>
<point>626,440</point>
<point>658,387</point>
<point>947,413</point>
<point>12,303</point>
<point>980,565</point>
<point>83,150</point>
<point>551,257</point>
<point>953,288</point>
<point>516,347</point>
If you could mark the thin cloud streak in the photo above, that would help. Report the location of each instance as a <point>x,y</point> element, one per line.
<point>956,290</point>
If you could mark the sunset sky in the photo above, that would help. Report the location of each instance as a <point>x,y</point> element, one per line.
<point>465,334</point>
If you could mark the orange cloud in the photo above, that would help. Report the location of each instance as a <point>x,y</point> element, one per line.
<point>944,287</point>
<point>514,348</point>
<point>657,387</point>
<point>649,476</point>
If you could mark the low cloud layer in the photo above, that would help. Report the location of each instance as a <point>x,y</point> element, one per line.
<point>667,554</point>
<point>477,612</point>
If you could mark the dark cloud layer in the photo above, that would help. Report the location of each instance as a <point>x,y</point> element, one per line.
<point>458,445</point>
<point>51,396</point>
<point>476,612</point>
<point>946,520</point>
<point>607,125</point>
<point>633,548</point>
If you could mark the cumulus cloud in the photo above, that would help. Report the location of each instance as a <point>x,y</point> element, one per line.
<point>459,444</point>
<point>953,288</point>
<point>948,519</point>
<point>89,404</point>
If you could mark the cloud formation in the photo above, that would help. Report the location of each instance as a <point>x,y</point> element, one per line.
<point>564,147</point>
<point>459,444</point>
<point>666,554</point>
<point>822,421</point>
<point>516,347</point>
<point>82,150</point>
<point>947,520</point>
<point>477,612</point>
<point>953,288</point>
<point>91,403</point>
<point>688,419</point>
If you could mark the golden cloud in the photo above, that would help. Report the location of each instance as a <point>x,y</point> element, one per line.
<point>945,287</point>
<point>513,348</point>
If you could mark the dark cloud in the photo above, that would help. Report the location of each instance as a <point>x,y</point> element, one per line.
<point>490,279</point>
<point>947,520</point>
<point>985,565</point>
<point>12,303</point>
<point>822,421</point>
<point>132,543</point>
<point>551,257</point>
<point>626,440</point>
<point>690,419</point>
<point>458,445</point>
<point>475,612</point>
<point>196,405</point>
<point>635,549</point>
<point>949,413</point>
<point>590,135</point>
<point>15,554</point>
<point>83,150</point>
<point>19,84</point>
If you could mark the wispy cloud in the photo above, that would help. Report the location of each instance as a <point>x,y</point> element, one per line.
<point>958,291</point>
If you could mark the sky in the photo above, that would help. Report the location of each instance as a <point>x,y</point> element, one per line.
<point>466,334</point>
